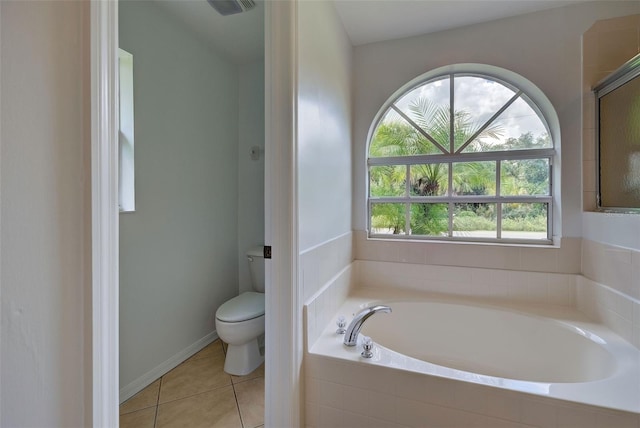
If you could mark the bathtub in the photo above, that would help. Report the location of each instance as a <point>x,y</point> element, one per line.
<point>550,352</point>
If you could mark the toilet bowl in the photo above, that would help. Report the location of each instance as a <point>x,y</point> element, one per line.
<point>240,322</point>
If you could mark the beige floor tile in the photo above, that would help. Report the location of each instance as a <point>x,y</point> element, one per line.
<point>250,396</point>
<point>148,397</point>
<point>214,409</point>
<point>259,372</point>
<point>193,377</point>
<point>212,349</point>
<point>141,419</point>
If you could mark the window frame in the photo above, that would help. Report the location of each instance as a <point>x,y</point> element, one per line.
<point>457,156</point>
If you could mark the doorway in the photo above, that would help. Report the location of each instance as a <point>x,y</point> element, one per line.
<point>283,327</point>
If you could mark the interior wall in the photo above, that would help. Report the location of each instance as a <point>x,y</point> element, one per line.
<point>250,171</point>
<point>44,260</point>
<point>324,125</point>
<point>178,250</point>
<point>544,47</point>
<point>324,121</point>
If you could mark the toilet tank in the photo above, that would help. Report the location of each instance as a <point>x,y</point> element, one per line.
<point>255,256</point>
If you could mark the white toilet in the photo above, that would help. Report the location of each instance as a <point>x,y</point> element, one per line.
<point>240,322</point>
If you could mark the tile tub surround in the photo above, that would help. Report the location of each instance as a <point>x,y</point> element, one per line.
<point>340,394</point>
<point>563,259</point>
<point>515,286</point>
<point>349,394</point>
<point>614,266</point>
<point>609,290</point>
<point>509,285</point>
<point>322,306</point>
<point>319,264</point>
<point>342,391</point>
<point>608,306</point>
<point>615,307</point>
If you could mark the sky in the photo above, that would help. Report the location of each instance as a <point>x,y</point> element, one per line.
<point>482,98</point>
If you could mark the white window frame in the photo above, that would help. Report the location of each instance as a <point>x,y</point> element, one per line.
<point>521,87</point>
<point>126,163</point>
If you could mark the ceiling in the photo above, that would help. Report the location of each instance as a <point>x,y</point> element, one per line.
<point>240,37</point>
<point>368,21</point>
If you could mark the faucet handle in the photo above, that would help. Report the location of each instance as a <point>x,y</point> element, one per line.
<point>367,346</point>
<point>342,323</point>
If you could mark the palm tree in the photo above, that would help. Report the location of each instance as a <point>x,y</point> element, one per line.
<point>428,131</point>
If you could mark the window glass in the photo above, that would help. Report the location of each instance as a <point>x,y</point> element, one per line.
<point>388,219</point>
<point>475,221</point>
<point>477,100</point>
<point>489,179</point>
<point>518,127</point>
<point>429,219</point>
<point>429,180</point>
<point>474,178</point>
<point>524,177</point>
<point>524,221</point>
<point>387,180</point>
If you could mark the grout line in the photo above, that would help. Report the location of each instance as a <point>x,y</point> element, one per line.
<point>155,417</point>
<point>235,396</point>
<point>237,405</point>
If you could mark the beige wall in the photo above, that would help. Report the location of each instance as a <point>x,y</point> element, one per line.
<point>44,240</point>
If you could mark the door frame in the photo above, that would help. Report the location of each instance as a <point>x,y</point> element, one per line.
<point>283,303</point>
<point>104,212</point>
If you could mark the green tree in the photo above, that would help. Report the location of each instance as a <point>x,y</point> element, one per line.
<point>397,137</point>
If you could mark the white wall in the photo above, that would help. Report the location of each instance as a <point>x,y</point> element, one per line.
<point>324,125</point>
<point>45,258</point>
<point>324,148</point>
<point>250,172</point>
<point>178,251</point>
<point>544,47</point>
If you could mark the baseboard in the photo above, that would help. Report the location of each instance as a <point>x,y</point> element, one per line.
<point>149,377</point>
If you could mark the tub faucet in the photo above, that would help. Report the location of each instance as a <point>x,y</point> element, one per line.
<point>351,336</point>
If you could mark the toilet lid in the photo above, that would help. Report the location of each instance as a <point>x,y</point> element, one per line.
<point>244,307</point>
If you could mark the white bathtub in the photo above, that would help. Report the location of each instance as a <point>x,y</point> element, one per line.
<point>554,352</point>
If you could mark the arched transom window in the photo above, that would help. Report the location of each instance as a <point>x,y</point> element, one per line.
<point>461,157</point>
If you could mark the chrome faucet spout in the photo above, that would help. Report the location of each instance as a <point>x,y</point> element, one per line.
<point>351,336</point>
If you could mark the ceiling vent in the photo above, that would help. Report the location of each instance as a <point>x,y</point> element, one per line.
<point>230,7</point>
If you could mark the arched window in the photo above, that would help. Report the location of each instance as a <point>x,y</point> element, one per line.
<point>461,156</point>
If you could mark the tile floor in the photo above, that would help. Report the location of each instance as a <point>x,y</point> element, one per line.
<point>198,393</point>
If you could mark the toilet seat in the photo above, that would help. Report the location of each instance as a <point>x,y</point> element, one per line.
<point>247,306</point>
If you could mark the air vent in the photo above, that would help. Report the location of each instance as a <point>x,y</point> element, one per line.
<point>247,4</point>
<point>230,7</point>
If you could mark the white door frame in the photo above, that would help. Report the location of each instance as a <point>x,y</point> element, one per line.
<point>283,321</point>
<point>283,303</point>
<point>104,211</point>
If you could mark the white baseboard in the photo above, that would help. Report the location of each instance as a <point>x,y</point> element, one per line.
<point>149,377</point>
